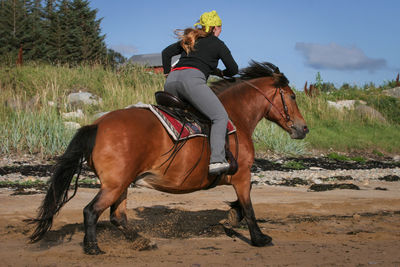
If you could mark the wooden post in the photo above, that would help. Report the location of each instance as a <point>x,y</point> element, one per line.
<point>19,60</point>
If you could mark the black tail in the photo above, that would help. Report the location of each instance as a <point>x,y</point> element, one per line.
<point>69,164</point>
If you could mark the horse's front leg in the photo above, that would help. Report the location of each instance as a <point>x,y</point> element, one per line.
<point>242,189</point>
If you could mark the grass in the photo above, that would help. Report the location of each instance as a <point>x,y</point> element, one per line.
<point>346,131</point>
<point>37,128</point>
<point>269,136</point>
<point>34,132</point>
<point>340,157</point>
<point>293,164</point>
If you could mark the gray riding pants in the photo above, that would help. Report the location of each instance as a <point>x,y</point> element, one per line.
<point>191,86</point>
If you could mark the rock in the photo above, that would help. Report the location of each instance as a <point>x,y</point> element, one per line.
<point>100,114</point>
<point>19,104</point>
<point>83,98</point>
<point>394,92</point>
<point>74,114</point>
<point>396,158</point>
<point>345,104</point>
<point>72,125</point>
<point>371,113</point>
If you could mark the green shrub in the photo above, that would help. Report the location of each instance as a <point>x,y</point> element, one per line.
<point>269,136</point>
<point>293,164</point>
<point>41,132</point>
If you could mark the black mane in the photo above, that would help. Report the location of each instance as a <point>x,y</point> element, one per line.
<point>253,71</point>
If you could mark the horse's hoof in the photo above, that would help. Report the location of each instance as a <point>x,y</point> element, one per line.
<point>141,243</point>
<point>91,248</point>
<point>234,218</point>
<point>262,241</point>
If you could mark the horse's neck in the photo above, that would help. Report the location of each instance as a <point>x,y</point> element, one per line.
<point>245,106</point>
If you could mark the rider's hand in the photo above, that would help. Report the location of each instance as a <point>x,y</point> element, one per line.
<point>218,72</point>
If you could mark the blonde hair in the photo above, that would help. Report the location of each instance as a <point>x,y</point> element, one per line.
<point>189,36</point>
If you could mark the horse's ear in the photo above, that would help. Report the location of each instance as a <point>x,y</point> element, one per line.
<point>305,88</point>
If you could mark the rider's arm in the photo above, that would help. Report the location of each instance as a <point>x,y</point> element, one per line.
<point>168,53</point>
<point>229,62</point>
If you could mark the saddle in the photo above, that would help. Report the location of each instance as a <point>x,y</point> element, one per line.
<point>186,113</point>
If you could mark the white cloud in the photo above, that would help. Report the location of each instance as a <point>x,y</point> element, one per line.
<point>125,50</point>
<point>337,57</point>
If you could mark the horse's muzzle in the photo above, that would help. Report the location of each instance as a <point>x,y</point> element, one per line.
<point>299,131</point>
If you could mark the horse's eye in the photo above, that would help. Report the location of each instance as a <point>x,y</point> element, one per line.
<point>293,97</point>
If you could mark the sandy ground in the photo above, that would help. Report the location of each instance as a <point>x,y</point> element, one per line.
<point>332,228</point>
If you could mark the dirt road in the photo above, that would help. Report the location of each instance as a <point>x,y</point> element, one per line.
<point>331,228</point>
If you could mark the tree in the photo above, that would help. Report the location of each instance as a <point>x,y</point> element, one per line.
<point>85,42</point>
<point>13,21</point>
<point>59,31</point>
<point>34,38</point>
<point>114,58</point>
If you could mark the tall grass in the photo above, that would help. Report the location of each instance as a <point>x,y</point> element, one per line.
<point>269,136</point>
<point>35,126</point>
<point>34,132</point>
<point>345,130</point>
<point>38,127</point>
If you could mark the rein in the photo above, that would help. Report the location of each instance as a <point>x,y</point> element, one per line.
<point>284,115</point>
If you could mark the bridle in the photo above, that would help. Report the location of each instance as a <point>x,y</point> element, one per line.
<point>284,115</point>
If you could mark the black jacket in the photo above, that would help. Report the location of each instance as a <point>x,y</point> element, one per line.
<point>207,52</point>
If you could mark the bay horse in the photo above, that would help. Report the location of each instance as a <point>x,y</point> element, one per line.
<point>130,146</point>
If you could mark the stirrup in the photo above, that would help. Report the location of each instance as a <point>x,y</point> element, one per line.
<point>218,168</point>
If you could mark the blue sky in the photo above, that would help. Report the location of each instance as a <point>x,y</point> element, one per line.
<point>347,41</point>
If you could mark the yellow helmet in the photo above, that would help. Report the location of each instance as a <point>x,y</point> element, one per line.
<point>209,19</point>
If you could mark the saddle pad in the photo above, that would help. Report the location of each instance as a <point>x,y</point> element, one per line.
<point>174,126</point>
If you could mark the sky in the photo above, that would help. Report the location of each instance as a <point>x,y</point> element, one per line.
<point>346,41</point>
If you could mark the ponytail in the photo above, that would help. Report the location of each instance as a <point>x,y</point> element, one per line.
<point>189,36</point>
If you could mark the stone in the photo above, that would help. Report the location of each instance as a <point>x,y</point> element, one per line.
<point>83,98</point>
<point>19,104</point>
<point>100,114</point>
<point>345,104</point>
<point>371,113</point>
<point>78,114</point>
<point>72,125</point>
<point>394,92</point>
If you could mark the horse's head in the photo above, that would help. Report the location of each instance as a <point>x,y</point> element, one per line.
<point>280,100</point>
<point>286,113</point>
<point>275,100</point>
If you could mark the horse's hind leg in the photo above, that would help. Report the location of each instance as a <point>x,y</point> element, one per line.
<point>118,217</point>
<point>118,211</point>
<point>242,189</point>
<point>104,199</point>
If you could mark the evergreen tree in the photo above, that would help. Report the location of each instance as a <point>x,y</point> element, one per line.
<point>48,17</point>
<point>58,31</point>
<point>13,26</point>
<point>85,42</point>
<point>114,58</point>
<point>5,28</point>
<point>34,39</point>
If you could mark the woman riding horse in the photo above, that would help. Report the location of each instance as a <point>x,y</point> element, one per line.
<point>130,146</point>
<point>200,50</point>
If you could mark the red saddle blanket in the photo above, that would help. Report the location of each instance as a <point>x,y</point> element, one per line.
<point>174,126</point>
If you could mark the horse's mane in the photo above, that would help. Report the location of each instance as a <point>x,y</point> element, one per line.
<point>253,71</point>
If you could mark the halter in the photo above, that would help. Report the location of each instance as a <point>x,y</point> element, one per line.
<point>284,115</point>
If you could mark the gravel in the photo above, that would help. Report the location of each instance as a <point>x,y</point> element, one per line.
<point>273,171</point>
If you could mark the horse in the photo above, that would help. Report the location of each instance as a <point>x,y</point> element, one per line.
<point>130,146</point>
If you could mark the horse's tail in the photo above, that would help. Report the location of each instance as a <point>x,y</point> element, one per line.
<point>69,164</point>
